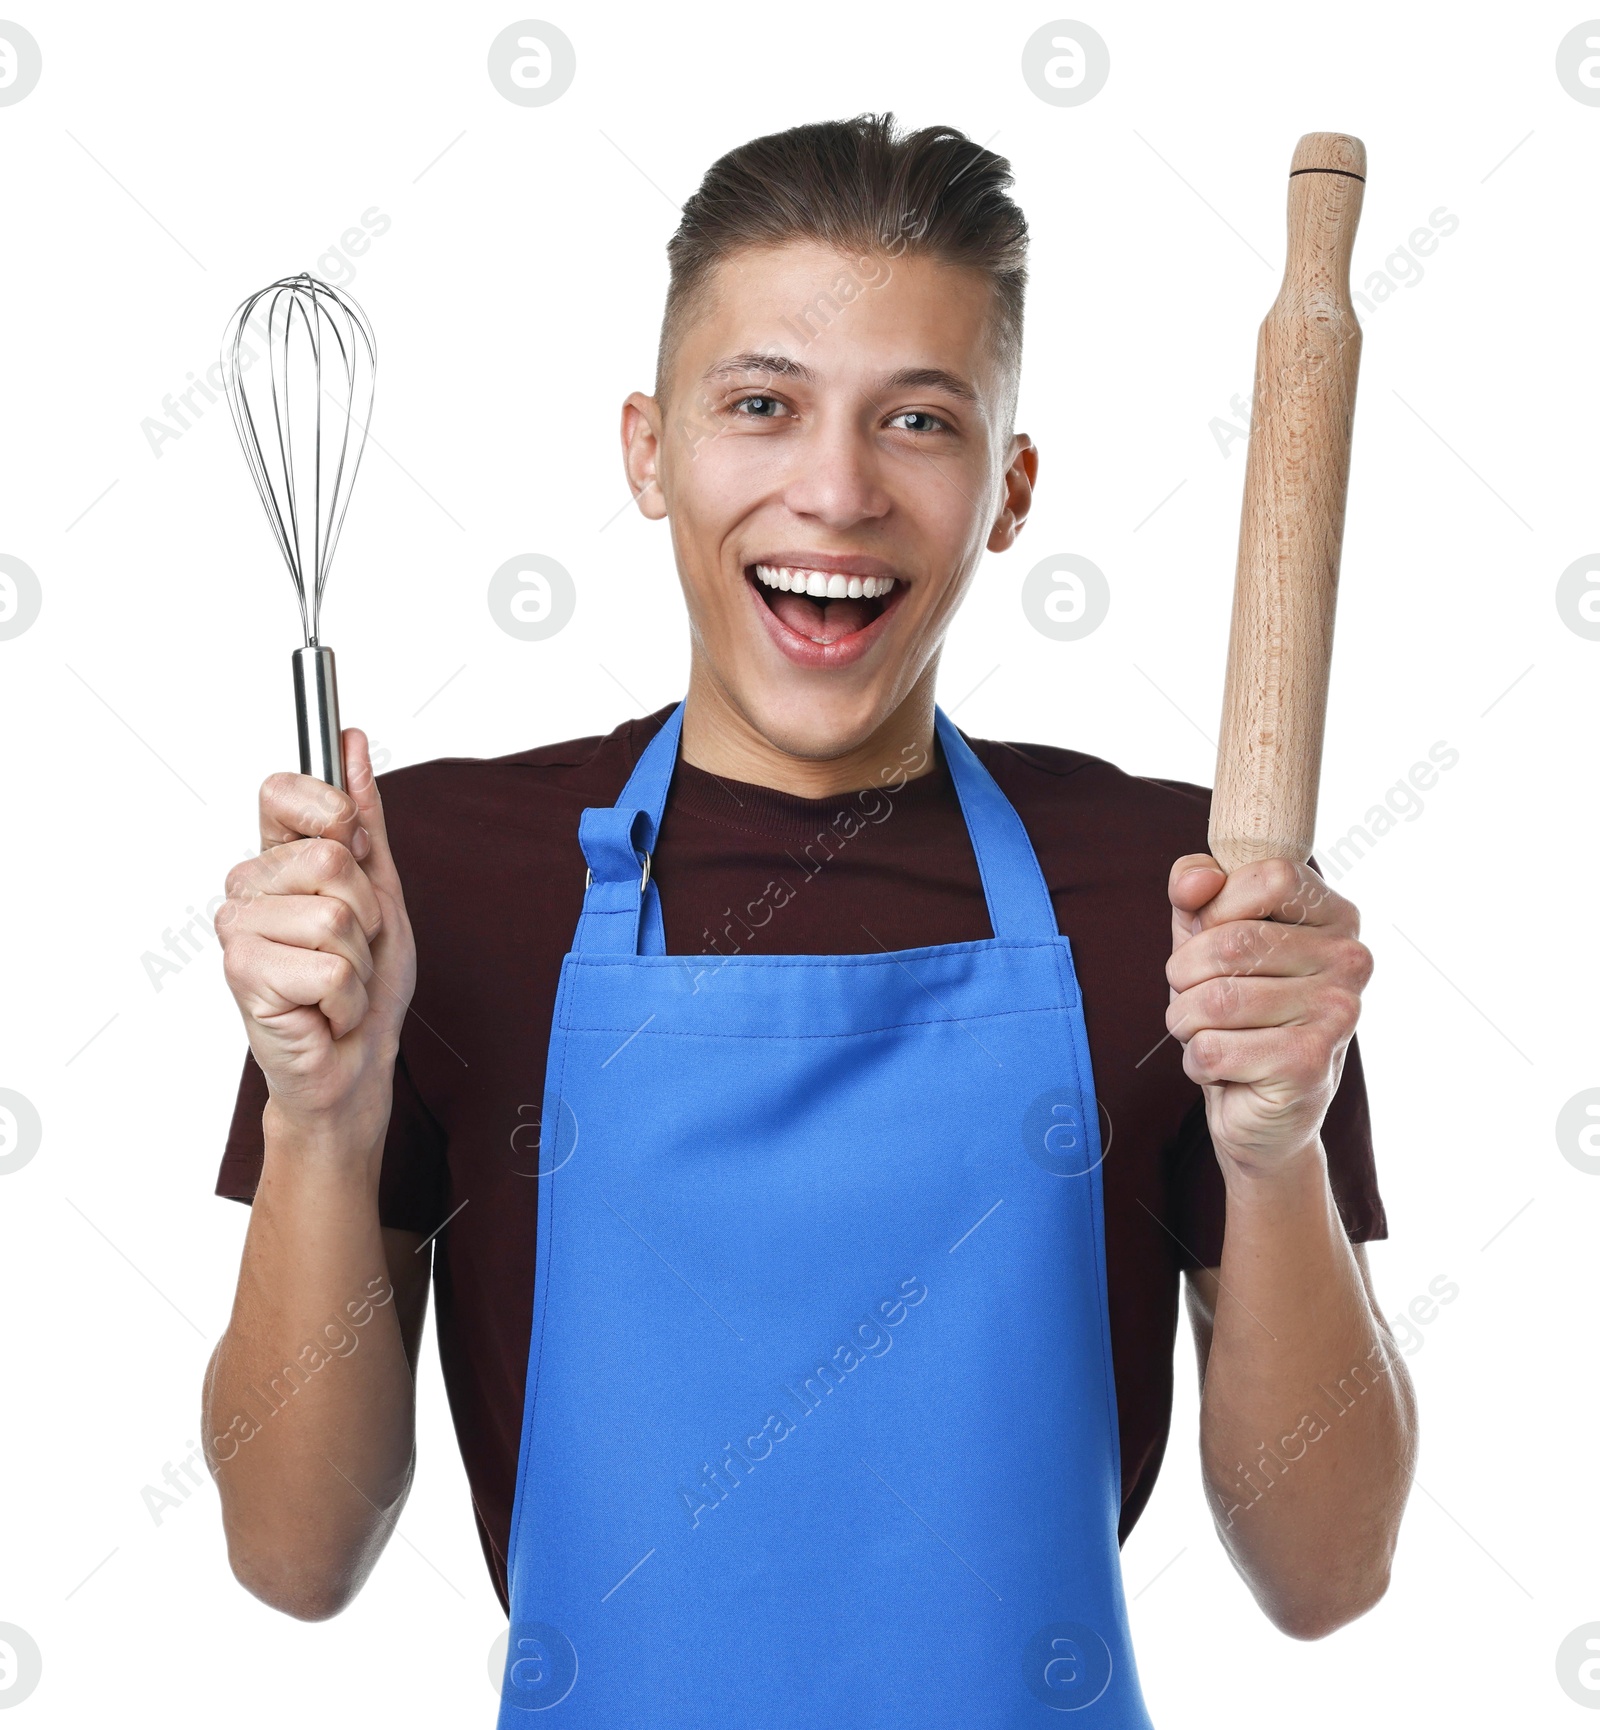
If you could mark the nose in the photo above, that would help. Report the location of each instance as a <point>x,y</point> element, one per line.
<point>836,478</point>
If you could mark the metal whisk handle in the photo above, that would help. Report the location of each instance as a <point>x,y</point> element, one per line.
<point>316,709</point>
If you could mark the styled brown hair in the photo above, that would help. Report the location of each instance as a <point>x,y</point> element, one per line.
<point>865,188</point>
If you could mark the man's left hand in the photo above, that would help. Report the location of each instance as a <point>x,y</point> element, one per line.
<point>1267,971</point>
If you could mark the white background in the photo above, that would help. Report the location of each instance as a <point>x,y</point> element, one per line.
<point>172,159</point>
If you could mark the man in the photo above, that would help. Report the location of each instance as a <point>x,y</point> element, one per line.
<point>831,440</point>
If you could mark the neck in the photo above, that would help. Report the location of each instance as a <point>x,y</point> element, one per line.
<point>720,739</point>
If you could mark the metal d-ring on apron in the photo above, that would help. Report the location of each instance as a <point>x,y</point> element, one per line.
<point>820,1423</point>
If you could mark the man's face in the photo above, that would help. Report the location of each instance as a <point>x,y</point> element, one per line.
<point>833,458</point>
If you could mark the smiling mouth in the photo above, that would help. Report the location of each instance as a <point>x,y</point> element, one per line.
<point>825,606</point>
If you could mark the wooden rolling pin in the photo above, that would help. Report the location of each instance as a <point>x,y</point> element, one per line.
<point>1274,704</point>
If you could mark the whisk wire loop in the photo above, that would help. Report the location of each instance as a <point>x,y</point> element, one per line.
<point>315,336</point>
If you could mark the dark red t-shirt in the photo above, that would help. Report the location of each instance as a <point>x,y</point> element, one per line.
<point>488,853</point>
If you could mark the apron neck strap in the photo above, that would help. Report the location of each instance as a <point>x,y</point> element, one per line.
<point>622,907</point>
<point>1013,885</point>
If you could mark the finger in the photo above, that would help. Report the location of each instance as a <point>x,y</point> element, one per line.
<point>362,781</point>
<point>1249,1003</point>
<point>308,922</point>
<point>293,806</point>
<point>272,980</point>
<point>306,867</point>
<point>1280,890</point>
<point>1294,1062</point>
<point>1263,948</point>
<point>1193,880</point>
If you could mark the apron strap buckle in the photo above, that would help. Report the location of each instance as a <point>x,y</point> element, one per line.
<point>644,877</point>
<point>621,909</point>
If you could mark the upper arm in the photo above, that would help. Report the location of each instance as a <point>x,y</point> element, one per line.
<point>409,1256</point>
<point>1202,1284</point>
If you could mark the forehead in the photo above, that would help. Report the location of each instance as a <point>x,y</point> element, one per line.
<point>845,316</point>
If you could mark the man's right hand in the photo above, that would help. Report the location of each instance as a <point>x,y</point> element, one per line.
<point>318,951</point>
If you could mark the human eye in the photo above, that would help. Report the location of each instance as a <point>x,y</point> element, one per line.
<point>930,422</point>
<point>758,407</point>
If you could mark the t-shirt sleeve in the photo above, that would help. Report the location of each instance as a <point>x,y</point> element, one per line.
<point>1198,1199</point>
<point>412,1184</point>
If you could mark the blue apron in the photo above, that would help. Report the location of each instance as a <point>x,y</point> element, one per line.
<point>820,1423</point>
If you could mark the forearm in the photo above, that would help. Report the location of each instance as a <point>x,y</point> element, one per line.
<point>309,1399</point>
<point>1308,1423</point>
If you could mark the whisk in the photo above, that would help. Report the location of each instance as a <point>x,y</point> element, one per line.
<point>302,421</point>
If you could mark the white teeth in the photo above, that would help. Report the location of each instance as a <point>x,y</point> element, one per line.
<point>824,585</point>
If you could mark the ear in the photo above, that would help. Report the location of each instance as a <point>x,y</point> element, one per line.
<point>641,453</point>
<point>1021,473</point>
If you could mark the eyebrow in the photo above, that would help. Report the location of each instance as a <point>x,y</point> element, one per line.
<point>908,378</point>
<point>931,378</point>
<point>778,365</point>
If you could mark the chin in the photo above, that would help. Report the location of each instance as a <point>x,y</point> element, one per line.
<point>809,720</point>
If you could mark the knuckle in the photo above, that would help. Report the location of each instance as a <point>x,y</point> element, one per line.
<point>1280,879</point>
<point>325,860</point>
<point>338,922</point>
<point>1342,961</point>
<point>227,925</point>
<point>1343,1007</point>
<point>1359,961</point>
<point>1220,997</point>
<point>1203,1051</point>
<point>338,975</point>
<point>1236,942</point>
<point>278,791</point>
